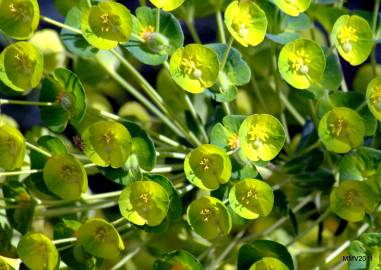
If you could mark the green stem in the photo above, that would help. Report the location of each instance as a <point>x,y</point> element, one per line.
<point>158,20</point>
<point>171,155</point>
<point>374,30</point>
<point>64,240</point>
<point>298,117</point>
<point>257,91</point>
<point>193,31</point>
<point>38,149</point>
<point>25,102</point>
<point>19,172</point>
<point>220,25</point>
<point>167,169</point>
<point>196,118</point>
<point>59,24</point>
<point>226,54</point>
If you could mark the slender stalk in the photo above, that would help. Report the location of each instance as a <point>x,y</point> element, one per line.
<point>196,118</point>
<point>158,20</point>
<point>26,102</point>
<point>129,256</point>
<point>374,30</point>
<point>19,172</point>
<point>298,117</point>
<point>171,155</point>
<point>193,31</point>
<point>227,52</point>
<point>167,169</point>
<point>226,107</point>
<point>38,149</point>
<point>220,25</point>
<point>60,25</point>
<point>64,240</point>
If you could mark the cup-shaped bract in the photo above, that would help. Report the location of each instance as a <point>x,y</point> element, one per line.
<point>352,199</point>
<point>246,22</point>
<point>251,198</point>
<point>21,66</point>
<point>293,7</point>
<point>209,217</point>
<point>12,148</point>
<point>19,18</point>
<point>106,24</point>
<point>373,97</point>
<point>107,143</point>
<point>144,203</point>
<point>353,38</point>
<point>100,238</point>
<point>65,176</point>
<point>269,263</point>
<point>261,137</point>
<point>194,67</point>
<point>38,252</point>
<point>341,130</point>
<point>207,167</point>
<point>5,266</point>
<point>167,5</point>
<point>179,259</point>
<point>302,63</point>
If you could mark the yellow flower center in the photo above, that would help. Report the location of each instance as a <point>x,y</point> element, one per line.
<point>233,141</point>
<point>349,198</point>
<point>346,37</point>
<point>24,64</point>
<point>100,233</point>
<point>250,194</point>
<point>375,98</point>
<point>146,32</point>
<point>205,164</point>
<point>105,20</point>
<point>67,171</point>
<point>145,197</point>
<point>192,67</point>
<point>258,134</point>
<point>206,213</point>
<point>299,62</point>
<point>241,23</point>
<point>338,127</point>
<point>19,11</point>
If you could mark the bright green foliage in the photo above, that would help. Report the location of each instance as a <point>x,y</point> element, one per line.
<point>107,143</point>
<point>144,202</point>
<point>268,263</point>
<point>106,24</point>
<point>207,167</point>
<point>341,130</point>
<point>352,199</point>
<point>293,7</point>
<point>302,63</point>
<point>373,97</point>
<point>21,66</point>
<point>38,252</point>
<point>261,137</point>
<point>167,5</point>
<point>100,238</point>
<point>179,259</point>
<point>194,67</point>
<point>12,148</point>
<point>65,176</point>
<point>246,22</point>
<point>251,198</point>
<point>209,217</point>
<point>19,18</point>
<point>353,38</point>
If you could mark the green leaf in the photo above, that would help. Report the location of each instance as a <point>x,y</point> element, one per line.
<point>293,8</point>
<point>283,38</point>
<point>298,23</point>
<point>320,179</point>
<point>178,259</point>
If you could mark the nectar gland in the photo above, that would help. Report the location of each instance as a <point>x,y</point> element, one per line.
<point>233,141</point>
<point>338,127</point>
<point>258,134</point>
<point>346,37</point>
<point>300,61</point>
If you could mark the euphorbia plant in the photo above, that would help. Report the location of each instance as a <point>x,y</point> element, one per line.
<point>154,150</point>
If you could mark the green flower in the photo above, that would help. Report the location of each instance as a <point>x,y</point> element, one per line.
<point>19,18</point>
<point>65,176</point>
<point>373,97</point>
<point>293,7</point>
<point>167,5</point>
<point>12,148</point>
<point>302,63</point>
<point>341,130</point>
<point>209,217</point>
<point>177,260</point>
<point>107,143</point>
<point>100,239</point>
<point>21,66</point>
<point>38,252</point>
<point>144,202</point>
<point>353,38</point>
<point>261,136</point>
<point>251,198</point>
<point>352,199</point>
<point>246,22</point>
<point>207,167</point>
<point>106,24</point>
<point>194,67</point>
<point>267,263</point>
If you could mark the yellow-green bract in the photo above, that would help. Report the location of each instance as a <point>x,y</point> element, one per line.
<point>65,176</point>
<point>21,66</point>
<point>100,238</point>
<point>246,22</point>
<point>107,143</point>
<point>144,202</point>
<point>106,24</point>
<point>167,5</point>
<point>209,217</point>
<point>178,259</point>
<point>293,7</point>
<point>269,263</point>
<point>261,137</point>
<point>38,252</point>
<point>302,63</point>
<point>207,167</point>
<point>251,198</point>
<point>373,97</point>
<point>341,130</point>
<point>19,19</point>
<point>353,38</point>
<point>352,199</point>
<point>194,67</point>
<point>12,148</point>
